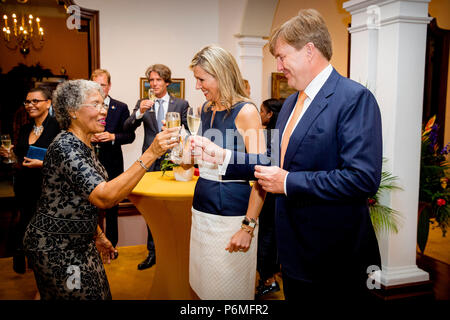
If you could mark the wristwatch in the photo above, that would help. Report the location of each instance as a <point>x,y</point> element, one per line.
<point>251,223</point>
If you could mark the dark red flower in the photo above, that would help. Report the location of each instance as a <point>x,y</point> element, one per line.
<point>372,201</point>
<point>441,202</point>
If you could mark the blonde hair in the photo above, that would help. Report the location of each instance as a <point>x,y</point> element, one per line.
<point>98,72</point>
<point>307,26</point>
<point>220,64</point>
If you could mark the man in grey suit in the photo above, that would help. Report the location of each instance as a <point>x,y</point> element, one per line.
<point>151,113</point>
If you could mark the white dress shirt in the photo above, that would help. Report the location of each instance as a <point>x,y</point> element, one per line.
<point>156,106</point>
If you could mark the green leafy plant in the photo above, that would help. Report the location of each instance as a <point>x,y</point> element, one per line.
<point>167,165</point>
<point>434,195</point>
<point>384,217</point>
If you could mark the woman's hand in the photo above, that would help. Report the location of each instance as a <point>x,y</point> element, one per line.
<point>32,163</point>
<point>240,241</point>
<point>5,152</point>
<point>162,141</point>
<point>207,150</point>
<point>105,247</point>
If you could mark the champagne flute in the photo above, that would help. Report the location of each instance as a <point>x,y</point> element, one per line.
<point>6,143</point>
<point>152,97</point>
<point>194,121</point>
<point>173,119</point>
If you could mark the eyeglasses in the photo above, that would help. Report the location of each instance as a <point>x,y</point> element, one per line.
<point>98,106</point>
<point>33,102</point>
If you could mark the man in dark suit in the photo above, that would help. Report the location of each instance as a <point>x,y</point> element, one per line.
<point>108,144</point>
<point>330,147</point>
<point>151,112</point>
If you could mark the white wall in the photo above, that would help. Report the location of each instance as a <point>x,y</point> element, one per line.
<point>135,34</point>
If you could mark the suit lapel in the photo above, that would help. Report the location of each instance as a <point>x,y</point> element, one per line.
<point>110,114</point>
<point>171,107</point>
<point>319,103</point>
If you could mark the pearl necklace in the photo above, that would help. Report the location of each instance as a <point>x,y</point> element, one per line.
<point>38,130</point>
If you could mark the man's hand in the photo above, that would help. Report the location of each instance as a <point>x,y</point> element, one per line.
<point>203,149</point>
<point>145,105</point>
<point>103,137</point>
<point>271,179</point>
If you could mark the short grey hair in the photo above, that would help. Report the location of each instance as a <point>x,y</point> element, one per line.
<point>69,96</point>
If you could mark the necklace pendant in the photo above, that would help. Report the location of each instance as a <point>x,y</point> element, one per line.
<point>38,130</point>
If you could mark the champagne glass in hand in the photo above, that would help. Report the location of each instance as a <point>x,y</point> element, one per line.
<point>6,143</point>
<point>152,97</point>
<point>173,119</point>
<point>193,119</point>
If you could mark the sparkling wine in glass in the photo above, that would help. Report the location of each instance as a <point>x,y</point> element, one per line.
<point>152,97</point>
<point>194,121</point>
<point>173,119</point>
<point>6,143</point>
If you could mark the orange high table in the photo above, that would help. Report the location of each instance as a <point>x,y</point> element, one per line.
<point>166,205</point>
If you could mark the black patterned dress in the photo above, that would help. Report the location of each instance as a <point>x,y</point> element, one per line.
<point>59,241</point>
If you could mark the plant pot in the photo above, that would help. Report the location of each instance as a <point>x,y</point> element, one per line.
<point>183,175</point>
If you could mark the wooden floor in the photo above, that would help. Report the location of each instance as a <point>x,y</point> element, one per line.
<point>124,278</point>
<point>126,281</point>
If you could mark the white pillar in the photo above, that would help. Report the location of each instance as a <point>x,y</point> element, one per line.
<point>250,61</point>
<point>388,55</point>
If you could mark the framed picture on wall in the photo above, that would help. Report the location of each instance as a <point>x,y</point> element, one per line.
<point>50,83</point>
<point>280,87</point>
<point>176,88</point>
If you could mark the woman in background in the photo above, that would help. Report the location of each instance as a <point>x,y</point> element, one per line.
<point>40,132</point>
<point>267,261</point>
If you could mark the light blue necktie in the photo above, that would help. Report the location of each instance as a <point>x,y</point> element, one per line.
<point>160,116</point>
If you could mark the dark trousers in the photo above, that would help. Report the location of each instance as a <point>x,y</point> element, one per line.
<point>267,257</point>
<point>112,227</point>
<point>330,288</point>
<point>27,208</point>
<point>150,243</point>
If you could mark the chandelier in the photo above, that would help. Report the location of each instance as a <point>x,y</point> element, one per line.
<point>23,33</point>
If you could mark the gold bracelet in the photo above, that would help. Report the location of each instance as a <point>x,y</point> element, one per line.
<point>247,229</point>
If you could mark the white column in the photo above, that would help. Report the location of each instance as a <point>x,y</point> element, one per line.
<point>396,31</point>
<point>250,61</point>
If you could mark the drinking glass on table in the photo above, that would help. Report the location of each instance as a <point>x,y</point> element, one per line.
<point>173,119</point>
<point>6,143</point>
<point>193,120</point>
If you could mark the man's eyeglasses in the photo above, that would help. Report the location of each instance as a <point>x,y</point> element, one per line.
<point>33,102</point>
<point>98,106</point>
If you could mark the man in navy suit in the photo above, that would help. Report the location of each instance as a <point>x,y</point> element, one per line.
<point>108,144</point>
<point>330,147</point>
<point>151,112</point>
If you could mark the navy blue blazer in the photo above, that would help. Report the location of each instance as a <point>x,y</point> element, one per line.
<point>334,160</point>
<point>110,154</point>
<point>150,123</point>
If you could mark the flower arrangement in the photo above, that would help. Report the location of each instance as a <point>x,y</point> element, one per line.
<point>434,196</point>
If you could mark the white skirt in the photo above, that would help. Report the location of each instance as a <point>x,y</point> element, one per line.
<point>214,273</point>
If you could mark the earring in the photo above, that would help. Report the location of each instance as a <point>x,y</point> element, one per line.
<point>74,117</point>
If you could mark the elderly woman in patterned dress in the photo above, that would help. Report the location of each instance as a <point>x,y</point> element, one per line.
<point>61,239</point>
